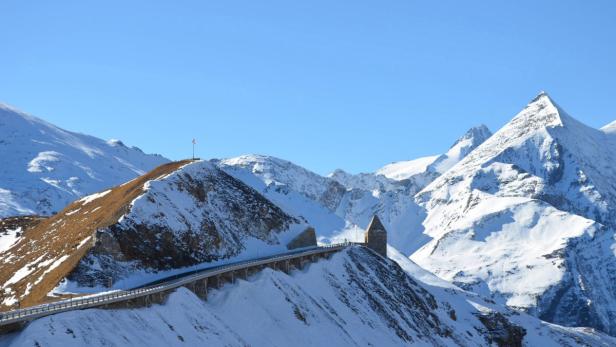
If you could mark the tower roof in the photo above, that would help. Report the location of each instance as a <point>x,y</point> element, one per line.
<point>375,225</point>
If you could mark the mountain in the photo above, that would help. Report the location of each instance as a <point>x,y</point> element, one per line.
<point>181,215</point>
<point>424,170</point>
<point>46,167</point>
<point>355,298</point>
<point>528,218</point>
<point>341,205</point>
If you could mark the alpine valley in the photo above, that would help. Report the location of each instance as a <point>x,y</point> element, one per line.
<point>507,239</point>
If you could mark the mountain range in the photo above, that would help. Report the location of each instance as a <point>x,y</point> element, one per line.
<point>502,233</point>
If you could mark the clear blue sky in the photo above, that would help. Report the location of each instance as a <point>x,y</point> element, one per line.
<point>326,84</point>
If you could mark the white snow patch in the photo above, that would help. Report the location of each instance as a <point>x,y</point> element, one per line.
<point>88,199</point>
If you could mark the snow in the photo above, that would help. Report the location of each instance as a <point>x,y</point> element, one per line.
<point>404,169</point>
<point>50,167</point>
<point>44,161</point>
<point>88,199</point>
<point>8,238</point>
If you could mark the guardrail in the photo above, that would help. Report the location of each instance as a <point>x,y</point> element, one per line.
<point>31,313</point>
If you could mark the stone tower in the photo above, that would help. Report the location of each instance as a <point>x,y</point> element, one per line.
<point>376,236</point>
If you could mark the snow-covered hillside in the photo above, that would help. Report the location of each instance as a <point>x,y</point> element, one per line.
<point>528,217</point>
<point>355,299</point>
<point>180,215</point>
<point>45,167</point>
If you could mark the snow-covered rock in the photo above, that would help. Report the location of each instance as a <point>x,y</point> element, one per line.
<point>528,217</point>
<point>355,299</point>
<point>45,168</point>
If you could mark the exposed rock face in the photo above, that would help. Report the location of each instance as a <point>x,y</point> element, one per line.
<point>501,331</point>
<point>528,217</point>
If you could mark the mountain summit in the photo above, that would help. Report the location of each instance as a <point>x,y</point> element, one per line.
<point>528,218</point>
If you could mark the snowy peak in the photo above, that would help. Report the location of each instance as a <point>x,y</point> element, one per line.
<point>474,137</point>
<point>477,135</point>
<point>524,212</point>
<point>541,112</point>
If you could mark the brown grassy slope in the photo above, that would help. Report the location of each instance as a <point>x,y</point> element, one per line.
<point>50,250</point>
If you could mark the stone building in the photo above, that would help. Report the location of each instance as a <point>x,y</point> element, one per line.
<point>376,236</point>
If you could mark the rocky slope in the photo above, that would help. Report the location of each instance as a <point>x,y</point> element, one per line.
<point>528,217</point>
<point>355,299</point>
<point>45,167</point>
<point>179,215</point>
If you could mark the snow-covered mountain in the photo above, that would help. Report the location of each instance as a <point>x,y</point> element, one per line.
<point>355,299</point>
<point>44,167</point>
<point>342,204</point>
<point>529,216</point>
<point>180,215</point>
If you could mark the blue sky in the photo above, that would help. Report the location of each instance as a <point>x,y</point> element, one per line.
<point>344,84</point>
